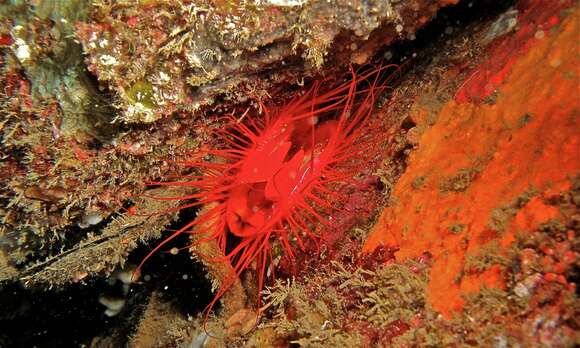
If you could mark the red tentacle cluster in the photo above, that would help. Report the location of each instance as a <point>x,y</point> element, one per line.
<point>274,178</point>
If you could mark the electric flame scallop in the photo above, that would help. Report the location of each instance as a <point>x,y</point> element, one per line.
<point>276,177</point>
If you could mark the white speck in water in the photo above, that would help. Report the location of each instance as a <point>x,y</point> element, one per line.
<point>128,276</point>
<point>114,305</point>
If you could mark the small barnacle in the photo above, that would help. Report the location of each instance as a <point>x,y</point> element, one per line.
<point>108,60</point>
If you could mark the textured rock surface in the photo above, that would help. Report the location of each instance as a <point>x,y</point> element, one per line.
<point>162,57</point>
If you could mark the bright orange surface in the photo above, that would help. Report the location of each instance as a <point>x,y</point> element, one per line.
<point>528,138</point>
